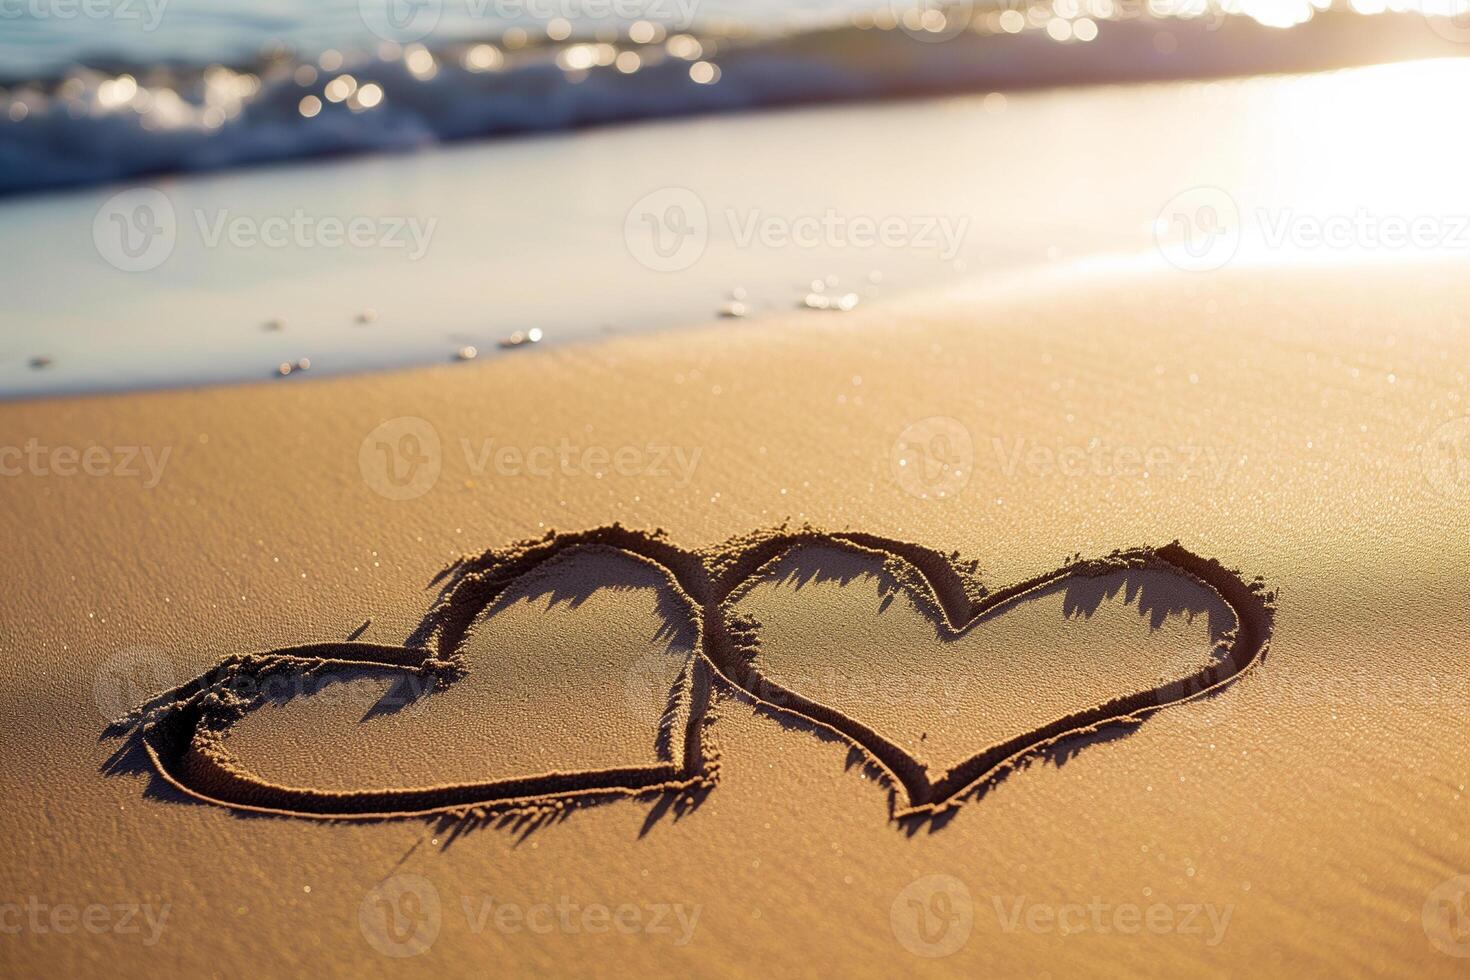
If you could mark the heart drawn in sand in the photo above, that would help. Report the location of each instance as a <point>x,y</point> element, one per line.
<point>932,776</point>
<point>184,732</point>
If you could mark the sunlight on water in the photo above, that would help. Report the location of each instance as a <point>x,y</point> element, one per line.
<point>207,97</point>
<point>1356,165</point>
<point>111,100</point>
<point>1382,203</point>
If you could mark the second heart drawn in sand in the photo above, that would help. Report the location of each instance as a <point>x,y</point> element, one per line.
<point>184,732</point>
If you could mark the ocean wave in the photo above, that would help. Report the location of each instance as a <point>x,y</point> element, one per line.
<point>115,121</point>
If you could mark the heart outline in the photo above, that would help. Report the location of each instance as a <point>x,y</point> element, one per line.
<point>181,730</point>
<point>941,587</point>
<point>710,583</point>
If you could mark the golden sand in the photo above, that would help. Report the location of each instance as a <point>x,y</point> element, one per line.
<point>1296,425</point>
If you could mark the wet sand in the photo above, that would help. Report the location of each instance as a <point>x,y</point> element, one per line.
<point>980,185</point>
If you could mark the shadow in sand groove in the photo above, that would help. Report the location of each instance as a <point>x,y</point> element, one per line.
<point>182,732</point>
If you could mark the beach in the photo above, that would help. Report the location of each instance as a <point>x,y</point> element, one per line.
<point>1297,422</point>
<point>564,232</point>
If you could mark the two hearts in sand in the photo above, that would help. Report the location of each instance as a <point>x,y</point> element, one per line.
<point>183,731</point>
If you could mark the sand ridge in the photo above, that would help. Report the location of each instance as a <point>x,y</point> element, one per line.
<point>183,731</point>
<point>947,590</point>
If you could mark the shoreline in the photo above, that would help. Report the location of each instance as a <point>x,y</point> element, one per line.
<point>843,64</point>
<point>513,247</point>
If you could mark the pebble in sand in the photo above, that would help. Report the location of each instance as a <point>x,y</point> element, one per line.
<point>520,338</point>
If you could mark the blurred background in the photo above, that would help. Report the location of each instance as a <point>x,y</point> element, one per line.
<point>195,191</point>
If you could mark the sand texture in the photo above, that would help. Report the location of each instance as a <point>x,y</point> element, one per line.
<point>1103,621</point>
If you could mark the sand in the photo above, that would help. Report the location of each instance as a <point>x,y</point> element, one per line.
<point>1084,171</point>
<point>1294,424</point>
